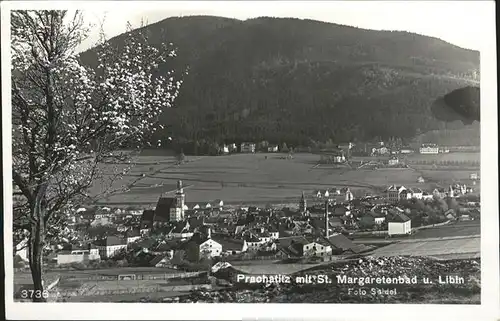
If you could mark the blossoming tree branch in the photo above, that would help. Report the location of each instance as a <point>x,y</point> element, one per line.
<point>68,118</point>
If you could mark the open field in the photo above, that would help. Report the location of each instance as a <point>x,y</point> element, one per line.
<point>432,247</point>
<point>467,157</point>
<point>453,229</point>
<point>251,178</point>
<point>275,269</point>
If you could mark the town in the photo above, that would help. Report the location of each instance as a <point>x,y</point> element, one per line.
<point>196,239</point>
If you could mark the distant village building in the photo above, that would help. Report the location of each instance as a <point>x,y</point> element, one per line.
<point>406,151</point>
<point>272,148</point>
<point>332,157</point>
<point>474,176</point>
<point>224,149</point>
<point>232,148</point>
<point>247,147</point>
<point>429,149</point>
<point>381,150</point>
<point>420,179</point>
<point>393,161</point>
<point>346,148</point>
<point>444,150</point>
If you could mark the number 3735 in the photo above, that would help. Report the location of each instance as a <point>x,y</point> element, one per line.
<point>37,294</point>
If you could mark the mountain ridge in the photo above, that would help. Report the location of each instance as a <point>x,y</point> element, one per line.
<point>295,80</point>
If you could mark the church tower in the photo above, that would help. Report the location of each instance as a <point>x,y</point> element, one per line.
<point>303,204</point>
<point>177,211</point>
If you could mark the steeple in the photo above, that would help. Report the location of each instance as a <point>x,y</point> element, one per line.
<point>303,203</point>
<point>177,213</point>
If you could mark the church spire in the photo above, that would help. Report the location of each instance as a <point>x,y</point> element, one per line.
<point>303,204</point>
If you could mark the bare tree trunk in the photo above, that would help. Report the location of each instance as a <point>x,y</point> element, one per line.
<point>36,244</point>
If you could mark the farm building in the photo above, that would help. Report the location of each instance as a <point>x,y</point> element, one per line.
<point>420,179</point>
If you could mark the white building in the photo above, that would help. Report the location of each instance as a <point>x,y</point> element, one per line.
<point>78,256</point>
<point>393,161</point>
<point>272,148</point>
<point>399,224</point>
<point>429,149</point>
<point>209,248</point>
<point>247,148</point>
<point>111,246</point>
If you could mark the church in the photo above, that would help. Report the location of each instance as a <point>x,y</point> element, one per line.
<point>168,209</point>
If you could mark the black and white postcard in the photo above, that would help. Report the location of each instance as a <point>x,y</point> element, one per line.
<point>312,160</point>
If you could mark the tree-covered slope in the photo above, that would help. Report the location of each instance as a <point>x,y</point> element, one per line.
<point>291,80</point>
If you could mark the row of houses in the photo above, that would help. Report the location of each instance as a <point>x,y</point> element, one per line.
<point>397,193</point>
<point>330,192</point>
<point>247,147</point>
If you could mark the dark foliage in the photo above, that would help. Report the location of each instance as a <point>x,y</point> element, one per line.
<point>291,80</point>
<point>460,104</point>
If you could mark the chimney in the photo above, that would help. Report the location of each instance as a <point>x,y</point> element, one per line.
<point>326,219</point>
<point>209,232</point>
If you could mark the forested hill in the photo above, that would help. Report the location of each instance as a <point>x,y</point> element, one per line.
<point>291,80</point>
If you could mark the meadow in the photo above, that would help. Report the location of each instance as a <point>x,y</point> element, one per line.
<point>254,179</point>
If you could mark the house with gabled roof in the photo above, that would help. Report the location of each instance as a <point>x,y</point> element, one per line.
<point>110,246</point>
<point>439,192</point>
<point>181,230</point>
<point>340,244</point>
<point>201,245</point>
<point>395,193</point>
<point>218,203</point>
<point>133,235</point>
<point>398,224</point>
<point>231,246</point>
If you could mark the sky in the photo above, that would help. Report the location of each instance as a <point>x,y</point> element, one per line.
<point>456,22</point>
